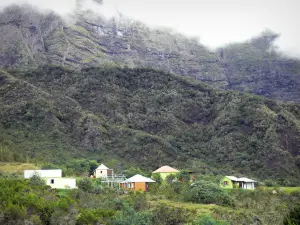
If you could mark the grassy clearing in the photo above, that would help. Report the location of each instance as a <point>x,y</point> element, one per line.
<point>11,167</point>
<point>200,209</point>
<point>287,190</point>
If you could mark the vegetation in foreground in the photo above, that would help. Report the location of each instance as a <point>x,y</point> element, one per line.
<point>203,203</point>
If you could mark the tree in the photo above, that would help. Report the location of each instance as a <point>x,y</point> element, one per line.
<point>157,178</point>
<point>37,180</point>
<point>92,166</point>
<point>184,176</point>
<point>85,184</point>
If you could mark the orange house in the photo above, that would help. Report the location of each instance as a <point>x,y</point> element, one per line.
<point>136,183</point>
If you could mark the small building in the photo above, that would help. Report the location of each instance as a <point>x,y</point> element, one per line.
<point>61,182</point>
<point>165,171</point>
<point>103,172</point>
<point>53,178</point>
<point>230,182</point>
<point>136,183</point>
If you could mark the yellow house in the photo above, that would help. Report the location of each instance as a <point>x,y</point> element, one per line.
<point>165,171</point>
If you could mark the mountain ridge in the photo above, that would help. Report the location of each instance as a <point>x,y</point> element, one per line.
<point>33,39</point>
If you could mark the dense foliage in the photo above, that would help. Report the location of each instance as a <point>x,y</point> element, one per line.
<point>207,193</point>
<point>149,118</point>
<point>31,202</point>
<point>293,217</point>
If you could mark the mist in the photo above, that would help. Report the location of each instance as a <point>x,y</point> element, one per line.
<point>215,22</point>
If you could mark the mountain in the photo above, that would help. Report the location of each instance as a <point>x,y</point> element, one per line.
<point>147,118</point>
<point>30,39</point>
<point>84,87</point>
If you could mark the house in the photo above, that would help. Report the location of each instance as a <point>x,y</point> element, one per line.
<point>165,171</point>
<point>230,182</point>
<point>53,178</point>
<point>103,172</point>
<point>136,183</point>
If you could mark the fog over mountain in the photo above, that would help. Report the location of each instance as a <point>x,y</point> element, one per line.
<point>214,22</point>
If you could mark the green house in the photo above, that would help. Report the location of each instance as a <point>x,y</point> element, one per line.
<point>165,171</point>
<point>229,182</point>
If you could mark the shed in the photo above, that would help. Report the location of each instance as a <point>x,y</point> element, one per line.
<point>53,178</point>
<point>230,182</point>
<point>165,171</point>
<point>103,172</point>
<point>61,182</point>
<point>136,183</point>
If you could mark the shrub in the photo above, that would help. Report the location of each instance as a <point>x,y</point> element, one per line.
<point>205,192</point>
<point>157,178</point>
<point>85,184</point>
<point>129,216</point>
<point>168,215</point>
<point>37,180</point>
<point>184,176</point>
<point>293,217</point>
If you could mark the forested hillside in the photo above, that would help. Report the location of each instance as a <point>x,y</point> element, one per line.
<point>149,118</point>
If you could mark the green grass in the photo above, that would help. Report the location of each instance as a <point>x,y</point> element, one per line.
<point>200,209</point>
<point>14,167</point>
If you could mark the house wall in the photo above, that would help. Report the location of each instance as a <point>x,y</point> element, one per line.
<point>103,173</point>
<point>61,183</point>
<point>248,186</point>
<point>229,182</point>
<point>137,186</point>
<point>43,173</point>
<point>164,175</point>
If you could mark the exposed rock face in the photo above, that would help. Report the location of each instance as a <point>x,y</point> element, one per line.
<point>29,39</point>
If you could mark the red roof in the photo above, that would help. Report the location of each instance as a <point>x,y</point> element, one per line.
<point>166,169</point>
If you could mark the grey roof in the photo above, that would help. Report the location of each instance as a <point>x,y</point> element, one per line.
<point>242,179</point>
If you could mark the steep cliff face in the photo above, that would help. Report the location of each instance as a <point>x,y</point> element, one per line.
<point>30,39</point>
<point>84,39</point>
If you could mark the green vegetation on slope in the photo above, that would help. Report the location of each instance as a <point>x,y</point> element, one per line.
<point>148,118</point>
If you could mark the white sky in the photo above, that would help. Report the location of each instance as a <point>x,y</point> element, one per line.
<point>215,22</point>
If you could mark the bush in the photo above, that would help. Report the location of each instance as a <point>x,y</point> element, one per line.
<point>85,184</point>
<point>37,180</point>
<point>128,216</point>
<point>157,178</point>
<point>293,217</point>
<point>207,193</point>
<point>168,215</point>
<point>184,176</point>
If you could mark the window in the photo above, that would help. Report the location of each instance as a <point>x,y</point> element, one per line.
<point>225,183</point>
<point>52,181</point>
<point>100,171</point>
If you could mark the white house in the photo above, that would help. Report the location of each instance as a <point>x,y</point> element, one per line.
<point>61,182</point>
<point>52,178</point>
<point>103,172</point>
